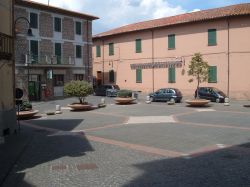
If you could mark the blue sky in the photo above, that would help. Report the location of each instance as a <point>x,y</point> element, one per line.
<point>116,13</point>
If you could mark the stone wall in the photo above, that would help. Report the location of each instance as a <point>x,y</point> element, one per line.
<point>68,28</point>
<point>45,24</point>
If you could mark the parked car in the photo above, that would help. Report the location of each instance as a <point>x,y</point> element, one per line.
<point>211,93</point>
<point>106,90</point>
<point>166,94</point>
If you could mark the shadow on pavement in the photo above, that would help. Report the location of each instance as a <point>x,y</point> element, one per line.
<point>42,148</point>
<point>225,167</point>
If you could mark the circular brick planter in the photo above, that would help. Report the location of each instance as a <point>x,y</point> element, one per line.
<point>197,102</point>
<point>124,101</point>
<point>26,114</point>
<point>79,107</point>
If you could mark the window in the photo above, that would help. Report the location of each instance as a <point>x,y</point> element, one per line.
<point>138,76</point>
<point>57,24</point>
<point>111,76</point>
<point>78,77</point>
<point>58,80</point>
<point>78,27</point>
<point>171,75</point>
<point>78,51</point>
<point>34,51</point>
<point>33,20</point>
<point>138,45</point>
<point>171,41</point>
<point>212,37</point>
<point>111,49</point>
<point>58,53</point>
<point>98,51</point>
<point>212,74</point>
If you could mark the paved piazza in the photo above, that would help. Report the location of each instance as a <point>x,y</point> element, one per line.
<point>135,145</point>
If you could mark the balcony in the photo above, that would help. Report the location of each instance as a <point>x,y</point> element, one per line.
<point>49,61</point>
<point>6,47</point>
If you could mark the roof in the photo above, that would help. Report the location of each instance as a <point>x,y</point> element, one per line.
<point>210,14</point>
<point>39,6</point>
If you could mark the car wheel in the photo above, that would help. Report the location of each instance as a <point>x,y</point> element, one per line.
<point>217,100</point>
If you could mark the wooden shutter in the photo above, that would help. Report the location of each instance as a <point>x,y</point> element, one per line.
<point>78,51</point>
<point>58,52</point>
<point>111,49</point>
<point>171,75</point>
<point>98,51</point>
<point>212,74</point>
<point>111,76</point>
<point>78,27</point>
<point>171,41</point>
<point>57,24</point>
<point>33,20</point>
<point>34,51</point>
<point>138,45</point>
<point>138,75</point>
<point>212,37</point>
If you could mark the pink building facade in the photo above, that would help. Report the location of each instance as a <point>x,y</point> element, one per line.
<point>155,54</point>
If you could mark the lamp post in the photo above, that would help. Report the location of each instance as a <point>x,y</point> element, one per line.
<point>29,33</point>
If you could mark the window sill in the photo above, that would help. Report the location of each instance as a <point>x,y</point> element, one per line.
<point>212,45</point>
<point>171,48</point>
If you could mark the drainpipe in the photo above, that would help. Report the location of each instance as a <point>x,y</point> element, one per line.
<point>102,61</point>
<point>88,75</point>
<point>228,57</point>
<point>153,68</point>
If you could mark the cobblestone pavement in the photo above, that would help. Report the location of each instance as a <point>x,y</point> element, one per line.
<point>131,145</point>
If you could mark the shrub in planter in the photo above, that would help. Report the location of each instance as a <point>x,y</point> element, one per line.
<point>25,106</point>
<point>124,93</point>
<point>80,89</point>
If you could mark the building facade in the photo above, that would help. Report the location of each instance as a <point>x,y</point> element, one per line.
<point>154,54</point>
<point>7,69</point>
<point>57,51</point>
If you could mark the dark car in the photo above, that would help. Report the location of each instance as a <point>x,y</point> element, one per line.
<point>106,90</point>
<point>166,94</point>
<point>211,93</point>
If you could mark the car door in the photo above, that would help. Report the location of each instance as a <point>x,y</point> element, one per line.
<point>158,95</point>
<point>169,94</point>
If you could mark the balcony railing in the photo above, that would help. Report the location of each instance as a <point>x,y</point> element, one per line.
<point>6,47</point>
<point>48,60</point>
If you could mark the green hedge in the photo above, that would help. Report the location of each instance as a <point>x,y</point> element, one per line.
<point>25,106</point>
<point>124,93</point>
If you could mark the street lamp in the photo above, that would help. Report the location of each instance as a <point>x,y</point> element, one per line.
<point>29,33</point>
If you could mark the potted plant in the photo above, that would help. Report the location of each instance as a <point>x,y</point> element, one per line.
<point>198,68</point>
<point>124,97</point>
<point>79,89</point>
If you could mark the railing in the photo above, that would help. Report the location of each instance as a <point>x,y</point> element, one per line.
<point>48,60</point>
<point>6,46</point>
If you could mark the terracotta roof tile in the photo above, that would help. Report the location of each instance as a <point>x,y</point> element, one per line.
<point>234,10</point>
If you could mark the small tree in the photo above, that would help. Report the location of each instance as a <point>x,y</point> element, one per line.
<point>80,89</point>
<point>199,69</point>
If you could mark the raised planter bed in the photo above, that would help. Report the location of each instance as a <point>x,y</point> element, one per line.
<point>79,107</point>
<point>197,102</point>
<point>26,114</point>
<point>121,100</point>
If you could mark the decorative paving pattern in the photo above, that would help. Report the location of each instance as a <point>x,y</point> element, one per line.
<point>150,119</point>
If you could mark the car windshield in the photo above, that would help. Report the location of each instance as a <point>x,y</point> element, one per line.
<point>219,92</point>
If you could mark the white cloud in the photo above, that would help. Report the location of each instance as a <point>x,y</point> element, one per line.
<point>115,13</point>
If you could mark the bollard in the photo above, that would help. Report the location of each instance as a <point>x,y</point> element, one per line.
<point>102,100</point>
<point>226,101</point>
<point>58,109</point>
<point>148,101</point>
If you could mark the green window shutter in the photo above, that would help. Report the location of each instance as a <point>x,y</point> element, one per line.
<point>212,37</point>
<point>58,52</point>
<point>34,51</point>
<point>138,45</point>
<point>111,49</point>
<point>98,51</point>
<point>33,20</point>
<point>111,76</point>
<point>212,74</point>
<point>171,41</point>
<point>78,51</point>
<point>78,27</point>
<point>57,24</point>
<point>138,75</point>
<point>171,75</point>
